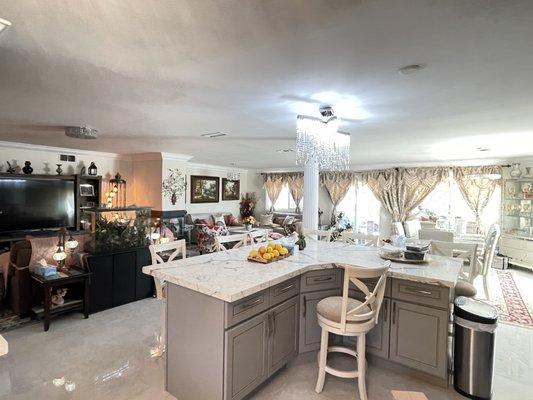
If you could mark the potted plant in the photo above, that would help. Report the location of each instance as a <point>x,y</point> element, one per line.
<point>247,205</point>
<point>248,222</point>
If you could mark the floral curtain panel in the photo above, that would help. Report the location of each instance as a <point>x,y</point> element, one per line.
<point>477,186</point>
<point>337,185</point>
<point>295,182</point>
<point>401,190</point>
<point>273,184</point>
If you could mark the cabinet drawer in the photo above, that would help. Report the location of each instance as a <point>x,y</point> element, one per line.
<point>284,291</point>
<point>246,308</point>
<point>422,293</point>
<point>322,279</point>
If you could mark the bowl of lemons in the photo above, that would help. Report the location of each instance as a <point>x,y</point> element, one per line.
<point>268,253</point>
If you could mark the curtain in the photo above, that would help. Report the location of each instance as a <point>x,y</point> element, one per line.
<point>273,185</point>
<point>401,190</point>
<point>477,186</point>
<point>295,181</point>
<point>337,185</point>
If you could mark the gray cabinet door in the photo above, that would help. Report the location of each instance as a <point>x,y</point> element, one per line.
<point>246,357</point>
<point>309,329</point>
<point>418,337</point>
<point>377,340</point>
<point>284,334</point>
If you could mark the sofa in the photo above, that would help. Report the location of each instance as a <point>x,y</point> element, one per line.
<point>281,222</point>
<point>207,226</point>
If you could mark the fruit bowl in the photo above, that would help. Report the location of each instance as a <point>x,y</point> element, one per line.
<point>268,253</point>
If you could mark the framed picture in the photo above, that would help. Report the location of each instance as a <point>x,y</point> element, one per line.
<point>86,190</point>
<point>205,189</point>
<point>230,189</point>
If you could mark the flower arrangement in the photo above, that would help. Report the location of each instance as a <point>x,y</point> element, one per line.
<point>174,185</point>
<point>247,205</point>
<point>250,220</point>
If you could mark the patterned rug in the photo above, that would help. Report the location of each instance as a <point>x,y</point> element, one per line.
<point>512,307</point>
<point>10,321</point>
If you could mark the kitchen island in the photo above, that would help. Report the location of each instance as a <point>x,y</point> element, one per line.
<point>232,323</point>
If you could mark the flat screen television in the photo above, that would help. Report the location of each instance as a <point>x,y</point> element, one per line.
<point>32,203</point>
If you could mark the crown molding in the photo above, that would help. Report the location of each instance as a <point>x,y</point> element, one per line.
<point>176,157</point>
<point>215,167</point>
<point>51,149</point>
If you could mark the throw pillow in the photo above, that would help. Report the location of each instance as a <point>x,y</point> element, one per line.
<point>219,220</point>
<point>205,222</point>
<point>266,219</point>
<point>278,220</point>
<point>232,220</point>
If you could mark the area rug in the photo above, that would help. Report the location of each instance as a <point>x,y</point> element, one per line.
<point>513,308</point>
<point>9,321</point>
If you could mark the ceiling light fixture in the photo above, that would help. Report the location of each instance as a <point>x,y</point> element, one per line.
<point>482,149</point>
<point>213,135</point>
<point>81,132</point>
<point>233,175</point>
<point>320,139</point>
<point>4,24</point>
<point>411,69</point>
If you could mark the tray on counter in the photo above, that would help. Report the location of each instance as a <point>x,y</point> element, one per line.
<point>263,261</point>
<point>402,259</point>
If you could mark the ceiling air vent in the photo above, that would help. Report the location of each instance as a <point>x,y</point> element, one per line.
<point>67,158</point>
<point>213,135</point>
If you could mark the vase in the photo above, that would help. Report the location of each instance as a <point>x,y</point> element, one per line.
<point>27,168</point>
<point>248,227</point>
<point>58,169</point>
<point>515,171</point>
<point>528,173</point>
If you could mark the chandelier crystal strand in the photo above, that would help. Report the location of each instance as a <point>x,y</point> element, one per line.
<point>233,175</point>
<point>322,141</point>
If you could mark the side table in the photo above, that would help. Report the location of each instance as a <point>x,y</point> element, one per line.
<point>62,279</point>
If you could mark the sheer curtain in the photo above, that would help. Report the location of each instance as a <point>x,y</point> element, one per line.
<point>273,184</point>
<point>295,181</point>
<point>337,185</point>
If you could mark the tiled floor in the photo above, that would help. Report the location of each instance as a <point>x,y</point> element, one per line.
<point>107,356</point>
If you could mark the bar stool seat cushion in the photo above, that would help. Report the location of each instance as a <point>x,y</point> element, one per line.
<point>331,308</point>
<point>464,288</point>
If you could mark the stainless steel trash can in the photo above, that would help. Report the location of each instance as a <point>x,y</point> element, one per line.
<point>475,325</point>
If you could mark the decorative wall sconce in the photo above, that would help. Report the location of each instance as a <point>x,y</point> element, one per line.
<point>116,192</point>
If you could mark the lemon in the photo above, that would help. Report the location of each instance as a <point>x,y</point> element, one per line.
<point>267,256</point>
<point>283,251</point>
<point>253,253</point>
<point>262,250</point>
<point>269,249</point>
<point>278,246</point>
<point>275,253</point>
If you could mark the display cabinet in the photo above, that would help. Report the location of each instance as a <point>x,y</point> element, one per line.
<point>116,228</point>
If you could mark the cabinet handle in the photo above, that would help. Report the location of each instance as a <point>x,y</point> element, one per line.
<point>386,310</point>
<point>393,312</point>
<point>286,288</point>
<point>252,303</point>
<point>322,278</point>
<point>305,307</point>
<point>268,325</point>
<point>273,330</point>
<point>419,291</point>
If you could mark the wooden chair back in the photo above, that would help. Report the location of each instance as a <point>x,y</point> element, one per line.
<point>361,239</point>
<point>491,241</point>
<point>435,234</point>
<point>258,236</point>
<point>175,248</point>
<point>318,234</point>
<point>241,239</point>
<point>465,251</point>
<point>373,299</point>
<point>412,227</point>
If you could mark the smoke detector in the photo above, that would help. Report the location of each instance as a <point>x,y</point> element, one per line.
<point>81,132</point>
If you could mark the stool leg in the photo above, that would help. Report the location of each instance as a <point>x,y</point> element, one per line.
<point>322,361</point>
<point>361,366</point>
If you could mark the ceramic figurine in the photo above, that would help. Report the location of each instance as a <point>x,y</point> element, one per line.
<point>515,171</point>
<point>59,170</point>
<point>27,168</point>
<point>59,298</point>
<point>10,168</point>
<point>301,242</point>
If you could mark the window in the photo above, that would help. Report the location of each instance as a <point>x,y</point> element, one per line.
<point>347,205</point>
<point>368,210</point>
<point>284,201</point>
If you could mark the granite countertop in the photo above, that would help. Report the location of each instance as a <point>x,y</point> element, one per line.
<point>229,276</point>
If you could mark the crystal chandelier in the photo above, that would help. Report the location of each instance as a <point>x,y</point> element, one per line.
<point>233,175</point>
<point>321,140</point>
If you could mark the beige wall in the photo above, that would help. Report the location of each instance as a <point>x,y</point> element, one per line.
<point>44,159</point>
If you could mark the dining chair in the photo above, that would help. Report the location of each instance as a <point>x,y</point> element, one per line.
<point>467,252</point>
<point>398,228</point>
<point>412,227</point>
<point>240,239</point>
<point>360,238</point>
<point>491,241</point>
<point>161,254</point>
<point>318,234</point>
<point>345,316</point>
<point>435,234</point>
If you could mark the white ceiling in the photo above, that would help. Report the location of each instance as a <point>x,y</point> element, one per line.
<point>153,75</point>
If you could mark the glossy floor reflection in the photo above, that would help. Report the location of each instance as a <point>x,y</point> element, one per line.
<point>108,357</point>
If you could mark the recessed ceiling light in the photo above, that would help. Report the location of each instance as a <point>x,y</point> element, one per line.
<point>285,151</point>
<point>411,69</point>
<point>482,149</point>
<point>4,24</point>
<point>213,134</point>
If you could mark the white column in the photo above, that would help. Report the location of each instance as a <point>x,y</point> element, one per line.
<point>311,188</point>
